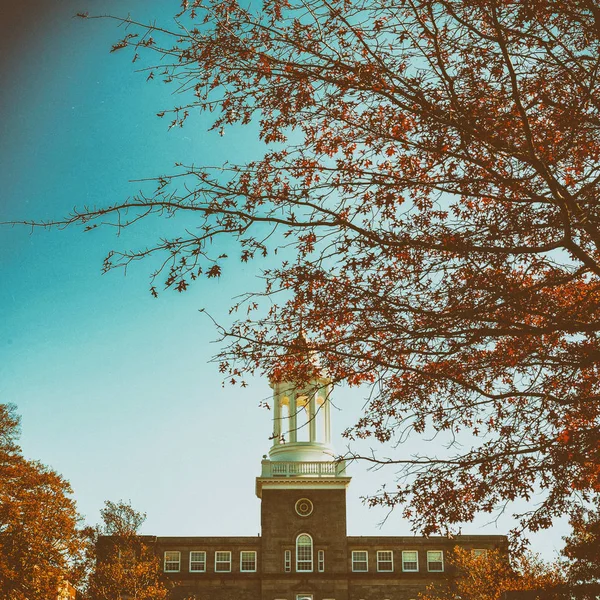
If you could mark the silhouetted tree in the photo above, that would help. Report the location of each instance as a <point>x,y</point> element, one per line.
<point>126,564</point>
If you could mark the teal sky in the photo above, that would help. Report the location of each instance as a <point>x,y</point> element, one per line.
<point>115,387</point>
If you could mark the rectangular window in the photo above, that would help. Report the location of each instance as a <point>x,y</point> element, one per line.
<point>287,561</point>
<point>360,561</point>
<point>222,562</point>
<point>385,561</point>
<point>248,561</point>
<point>410,561</point>
<point>197,561</point>
<point>304,597</point>
<point>321,561</point>
<point>172,561</point>
<point>435,561</point>
<point>304,556</point>
<point>479,552</point>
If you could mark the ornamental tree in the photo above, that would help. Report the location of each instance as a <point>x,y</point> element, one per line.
<point>41,546</point>
<point>424,206</point>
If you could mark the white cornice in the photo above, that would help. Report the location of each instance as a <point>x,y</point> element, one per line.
<point>300,483</point>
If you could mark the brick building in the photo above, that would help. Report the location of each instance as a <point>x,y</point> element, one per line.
<point>303,551</point>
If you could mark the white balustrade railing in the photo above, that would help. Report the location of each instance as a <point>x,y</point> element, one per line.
<point>303,469</point>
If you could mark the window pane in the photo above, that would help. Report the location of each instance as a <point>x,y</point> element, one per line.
<point>385,561</point>
<point>410,560</point>
<point>172,561</point>
<point>304,553</point>
<point>435,560</point>
<point>197,561</point>
<point>222,562</point>
<point>360,560</point>
<point>248,561</point>
<point>287,560</point>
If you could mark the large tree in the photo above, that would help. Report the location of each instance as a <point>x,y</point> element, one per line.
<point>426,200</point>
<point>41,546</point>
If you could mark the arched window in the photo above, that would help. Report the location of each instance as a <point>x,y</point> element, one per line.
<point>304,552</point>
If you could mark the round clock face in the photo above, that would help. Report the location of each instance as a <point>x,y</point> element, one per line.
<point>304,507</point>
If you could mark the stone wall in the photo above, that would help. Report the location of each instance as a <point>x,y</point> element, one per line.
<point>281,525</point>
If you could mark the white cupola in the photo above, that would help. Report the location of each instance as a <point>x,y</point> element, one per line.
<point>301,414</point>
<point>301,456</point>
<point>302,421</point>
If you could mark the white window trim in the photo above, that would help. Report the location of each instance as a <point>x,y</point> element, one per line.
<point>312,557</point>
<point>287,561</point>
<point>304,597</point>
<point>178,569</point>
<point>242,570</point>
<point>392,561</point>
<point>410,570</point>
<point>321,561</point>
<point>366,560</point>
<point>190,563</point>
<point>222,561</point>
<point>442,561</point>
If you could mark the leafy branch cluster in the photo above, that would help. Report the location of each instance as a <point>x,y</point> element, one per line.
<point>426,198</point>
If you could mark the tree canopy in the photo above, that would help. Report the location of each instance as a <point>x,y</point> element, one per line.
<point>426,200</point>
<point>40,543</point>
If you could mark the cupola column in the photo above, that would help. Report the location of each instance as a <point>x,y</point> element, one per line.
<point>326,406</point>
<point>277,416</point>
<point>327,416</point>
<point>312,416</point>
<point>302,421</point>
<point>293,416</point>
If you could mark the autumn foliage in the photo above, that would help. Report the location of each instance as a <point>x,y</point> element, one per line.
<point>582,550</point>
<point>41,546</point>
<point>424,205</point>
<point>126,564</point>
<point>490,576</point>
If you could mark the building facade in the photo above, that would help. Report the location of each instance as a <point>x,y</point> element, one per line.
<point>303,551</point>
